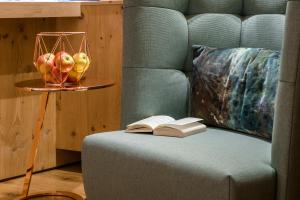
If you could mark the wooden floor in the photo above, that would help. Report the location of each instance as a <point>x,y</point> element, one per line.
<point>66,179</point>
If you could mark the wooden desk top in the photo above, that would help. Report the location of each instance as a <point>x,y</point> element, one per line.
<point>15,9</point>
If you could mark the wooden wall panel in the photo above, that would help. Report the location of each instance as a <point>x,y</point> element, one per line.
<point>18,110</point>
<point>80,114</point>
<point>69,116</point>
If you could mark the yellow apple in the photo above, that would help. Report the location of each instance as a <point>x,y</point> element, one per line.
<point>82,62</point>
<point>74,76</point>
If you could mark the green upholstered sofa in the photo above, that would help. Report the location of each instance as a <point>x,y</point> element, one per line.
<point>218,164</point>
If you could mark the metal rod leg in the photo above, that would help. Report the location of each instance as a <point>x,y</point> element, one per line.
<point>35,144</point>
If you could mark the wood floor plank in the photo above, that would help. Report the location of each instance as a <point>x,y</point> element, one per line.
<point>64,179</point>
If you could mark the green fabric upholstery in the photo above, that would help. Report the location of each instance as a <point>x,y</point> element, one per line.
<point>209,6</point>
<point>228,31</point>
<point>285,145</point>
<point>263,31</point>
<point>145,89</point>
<point>157,37</point>
<point>144,45</point>
<point>291,43</point>
<point>180,5</point>
<point>238,7</point>
<point>254,7</point>
<point>215,165</point>
<point>214,30</point>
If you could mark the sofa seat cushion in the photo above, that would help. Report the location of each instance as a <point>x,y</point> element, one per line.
<point>214,165</point>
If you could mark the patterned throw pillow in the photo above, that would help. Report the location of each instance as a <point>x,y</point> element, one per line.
<point>235,88</point>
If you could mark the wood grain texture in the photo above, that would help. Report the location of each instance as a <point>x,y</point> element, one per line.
<point>80,114</point>
<point>69,116</point>
<point>103,2</point>
<point>39,9</point>
<point>18,110</point>
<point>67,178</point>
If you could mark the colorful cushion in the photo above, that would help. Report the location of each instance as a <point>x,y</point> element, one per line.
<point>235,88</point>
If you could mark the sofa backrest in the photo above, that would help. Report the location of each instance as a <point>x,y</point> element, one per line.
<point>158,35</point>
<point>155,49</point>
<point>233,23</point>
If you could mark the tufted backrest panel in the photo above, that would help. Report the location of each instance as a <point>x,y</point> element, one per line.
<point>166,30</point>
<point>158,35</point>
<point>159,39</point>
<point>227,30</point>
<point>263,31</point>
<point>216,30</point>
<point>155,49</point>
<point>215,6</point>
<point>237,7</point>
<point>179,5</point>
<point>234,23</point>
<point>254,7</point>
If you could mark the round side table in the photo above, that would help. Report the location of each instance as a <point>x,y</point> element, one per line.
<point>38,85</point>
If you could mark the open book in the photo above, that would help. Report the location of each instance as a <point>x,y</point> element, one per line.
<point>167,126</point>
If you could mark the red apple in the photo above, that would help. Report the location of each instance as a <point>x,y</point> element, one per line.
<point>58,76</point>
<point>45,63</point>
<point>48,78</point>
<point>64,62</point>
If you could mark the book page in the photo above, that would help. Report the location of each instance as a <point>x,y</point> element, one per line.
<point>180,130</point>
<point>182,122</point>
<point>193,127</point>
<point>151,122</point>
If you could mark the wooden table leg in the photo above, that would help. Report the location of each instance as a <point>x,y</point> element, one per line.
<point>35,143</point>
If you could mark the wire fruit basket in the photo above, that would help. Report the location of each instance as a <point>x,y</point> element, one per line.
<point>61,57</point>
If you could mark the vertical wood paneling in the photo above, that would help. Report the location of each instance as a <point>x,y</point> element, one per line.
<point>18,110</point>
<point>70,116</point>
<point>80,114</point>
